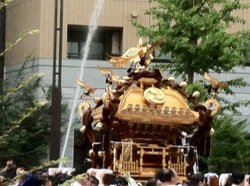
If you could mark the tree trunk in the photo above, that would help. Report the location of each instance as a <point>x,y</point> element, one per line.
<point>190,76</point>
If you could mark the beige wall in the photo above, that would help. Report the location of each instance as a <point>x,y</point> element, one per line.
<point>46,28</point>
<point>245,14</point>
<point>32,14</point>
<point>21,17</point>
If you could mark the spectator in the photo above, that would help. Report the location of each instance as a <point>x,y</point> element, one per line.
<point>153,182</point>
<point>92,181</point>
<point>28,179</point>
<point>167,176</point>
<point>247,180</point>
<point>197,180</point>
<point>185,183</point>
<point>237,178</point>
<point>224,178</point>
<point>1,180</point>
<point>212,179</point>
<point>121,181</point>
<point>9,171</point>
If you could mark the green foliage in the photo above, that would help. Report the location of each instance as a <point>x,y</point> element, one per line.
<point>4,3</point>
<point>198,86</point>
<point>229,146</point>
<point>196,35</point>
<point>24,123</point>
<point>22,36</point>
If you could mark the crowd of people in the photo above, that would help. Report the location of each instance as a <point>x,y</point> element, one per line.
<point>169,177</point>
<point>18,176</point>
<point>12,175</point>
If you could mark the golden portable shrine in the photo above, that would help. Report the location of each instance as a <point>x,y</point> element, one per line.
<point>143,117</point>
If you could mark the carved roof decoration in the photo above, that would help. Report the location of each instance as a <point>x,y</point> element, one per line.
<point>173,111</point>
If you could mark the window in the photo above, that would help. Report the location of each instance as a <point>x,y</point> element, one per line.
<point>107,40</point>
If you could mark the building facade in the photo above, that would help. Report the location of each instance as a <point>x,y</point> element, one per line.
<point>114,35</point>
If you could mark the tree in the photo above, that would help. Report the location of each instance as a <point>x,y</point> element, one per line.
<point>25,125</point>
<point>229,138</point>
<point>197,36</point>
<point>27,122</point>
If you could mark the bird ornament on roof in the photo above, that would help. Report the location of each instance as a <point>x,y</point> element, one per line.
<point>111,78</point>
<point>88,90</point>
<point>215,85</point>
<point>140,53</point>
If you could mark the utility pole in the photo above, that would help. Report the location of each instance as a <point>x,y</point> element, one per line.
<point>2,39</point>
<point>56,84</point>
